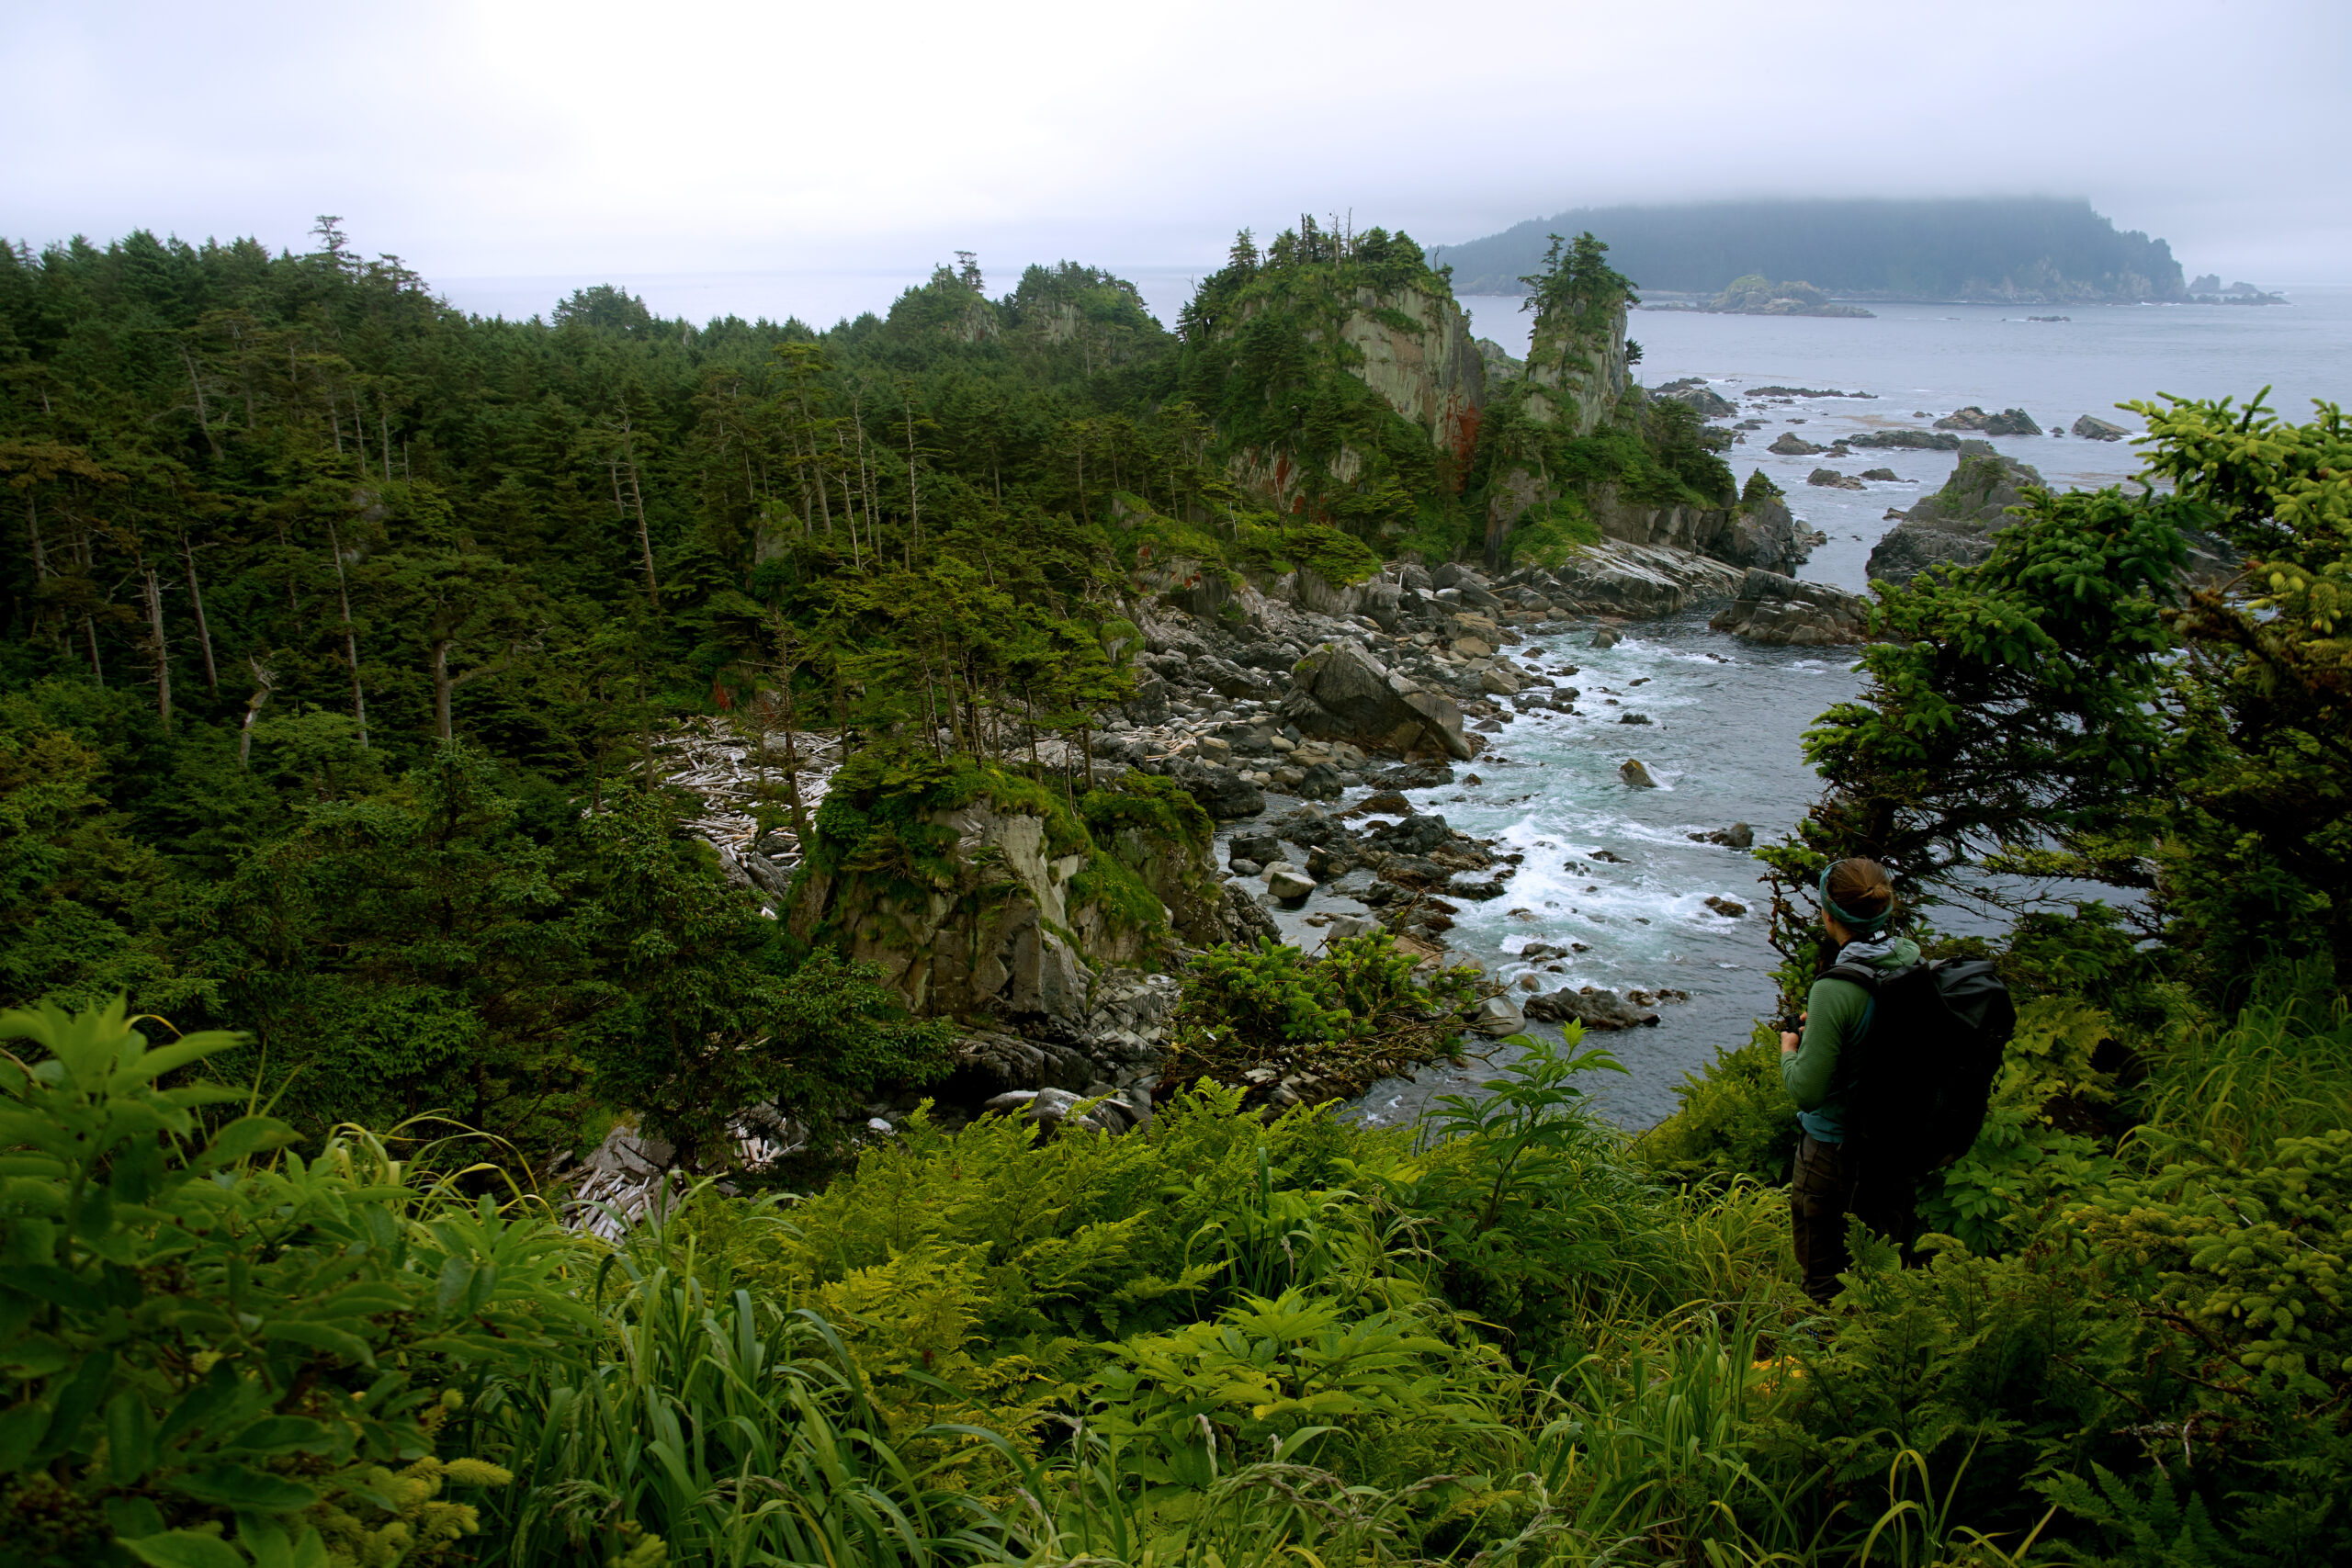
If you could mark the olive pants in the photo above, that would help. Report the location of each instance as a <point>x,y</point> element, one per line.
<point>1828,1182</point>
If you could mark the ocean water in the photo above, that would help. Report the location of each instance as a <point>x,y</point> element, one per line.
<point>1726,715</point>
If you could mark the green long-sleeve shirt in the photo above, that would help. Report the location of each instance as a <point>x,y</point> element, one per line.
<point>1836,1012</point>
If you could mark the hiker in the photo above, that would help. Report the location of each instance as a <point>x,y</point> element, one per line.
<point>1833,1177</point>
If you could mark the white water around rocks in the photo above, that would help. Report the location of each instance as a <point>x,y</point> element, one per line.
<point>1726,715</point>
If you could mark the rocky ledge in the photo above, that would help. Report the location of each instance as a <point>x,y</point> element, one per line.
<point>1782,611</point>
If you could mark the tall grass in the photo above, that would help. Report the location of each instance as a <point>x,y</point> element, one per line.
<point>2282,1069</point>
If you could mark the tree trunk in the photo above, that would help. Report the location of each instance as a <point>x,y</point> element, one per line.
<point>263,681</point>
<point>644,534</point>
<point>202,418</point>
<point>33,527</point>
<point>438,652</point>
<point>203,630</point>
<point>162,649</point>
<point>914,496</point>
<point>90,633</point>
<point>350,634</point>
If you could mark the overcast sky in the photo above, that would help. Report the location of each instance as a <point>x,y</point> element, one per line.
<point>593,140</point>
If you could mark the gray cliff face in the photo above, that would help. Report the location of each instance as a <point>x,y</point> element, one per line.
<point>1576,378</point>
<point>1433,374</point>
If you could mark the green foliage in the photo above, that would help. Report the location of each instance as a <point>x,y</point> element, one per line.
<point>1731,1120</point>
<point>1354,1012</point>
<point>1268,357</point>
<point>197,1341</point>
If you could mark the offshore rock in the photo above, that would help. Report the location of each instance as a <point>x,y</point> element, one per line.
<point>1635,774</point>
<point>1784,612</point>
<point>2091,429</point>
<point>2009,421</point>
<point>1789,443</point>
<point>1915,440</point>
<point>1956,524</point>
<point>1693,392</point>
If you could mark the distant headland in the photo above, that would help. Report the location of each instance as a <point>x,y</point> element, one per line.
<point>2021,250</point>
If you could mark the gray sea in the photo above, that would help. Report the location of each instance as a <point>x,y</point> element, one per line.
<point>1726,715</point>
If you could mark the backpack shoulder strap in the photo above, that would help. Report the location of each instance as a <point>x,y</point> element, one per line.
<point>1861,974</point>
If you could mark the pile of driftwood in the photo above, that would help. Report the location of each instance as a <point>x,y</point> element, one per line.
<point>738,762</point>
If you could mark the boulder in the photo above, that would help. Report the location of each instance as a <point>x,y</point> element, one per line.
<point>1341,693</point>
<point>1881,475</point>
<point>1830,478</point>
<point>1789,443</point>
<point>2091,429</point>
<point>1739,836</point>
<point>1592,1007</point>
<point>1782,611</point>
<point>1729,909</point>
<point>1604,637</point>
<point>1635,774</point>
<point>1288,882</point>
<point>1223,793</point>
<point>1498,1016</point>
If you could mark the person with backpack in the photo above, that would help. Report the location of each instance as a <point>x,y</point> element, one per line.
<point>1891,1075</point>
<point>1817,1069</point>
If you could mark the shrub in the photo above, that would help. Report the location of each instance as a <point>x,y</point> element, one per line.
<point>211,1358</point>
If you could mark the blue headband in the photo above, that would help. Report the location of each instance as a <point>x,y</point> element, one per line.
<point>1864,923</point>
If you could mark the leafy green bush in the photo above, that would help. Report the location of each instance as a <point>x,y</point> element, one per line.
<point>1732,1119</point>
<point>211,1360</point>
<point>1353,1012</point>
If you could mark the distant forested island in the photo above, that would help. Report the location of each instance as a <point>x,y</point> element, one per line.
<point>2028,250</point>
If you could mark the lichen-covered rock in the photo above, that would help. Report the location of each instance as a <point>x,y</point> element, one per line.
<point>1782,611</point>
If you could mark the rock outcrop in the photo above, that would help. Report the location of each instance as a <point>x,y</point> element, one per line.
<point>2009,421</point>
<point>1789,443</point>
<point>1956,524</point>
<point>1638,581</point>
<point>1782,611</point>
<point>1917,440</point>
<point>2091,429</point>
<point>1693,392</point>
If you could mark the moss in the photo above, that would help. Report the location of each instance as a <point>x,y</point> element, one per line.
<point>1547,534</point>
<point>1159,808</point>
<point>1105,883</point>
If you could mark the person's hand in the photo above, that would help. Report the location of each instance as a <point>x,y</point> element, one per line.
<point>1788,1044</point>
